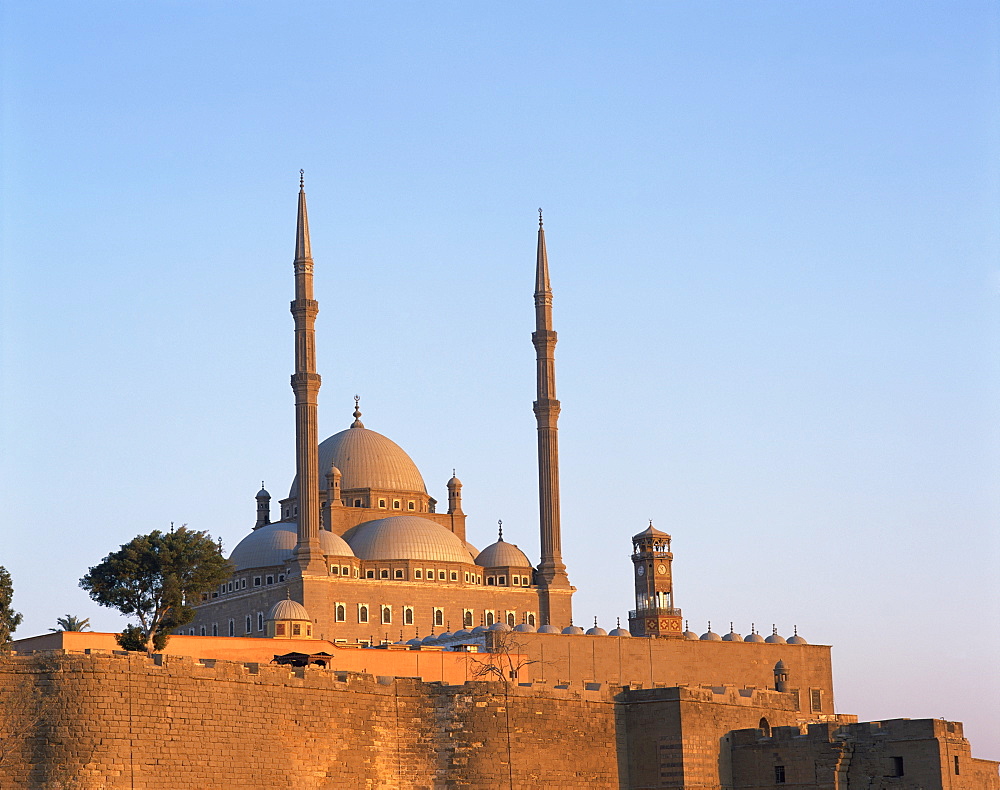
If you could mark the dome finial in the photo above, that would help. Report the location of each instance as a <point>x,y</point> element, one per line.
<point>595,621</point>
<point>539,218</point>
<point>302,178</point>
<point>500,528</point>
<point>618,622</point>
<point>357,413</point>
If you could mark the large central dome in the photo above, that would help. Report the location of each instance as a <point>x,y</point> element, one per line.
<point>366,459</point>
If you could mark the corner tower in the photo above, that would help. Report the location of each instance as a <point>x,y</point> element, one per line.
<point>654,613</point>
<point>555,591</point>
<point>308,556</point>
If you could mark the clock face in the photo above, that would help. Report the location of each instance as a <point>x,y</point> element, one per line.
<point>640,569</point>
<point>661,569</point>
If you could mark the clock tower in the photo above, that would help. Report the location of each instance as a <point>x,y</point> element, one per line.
<point>654,613</point>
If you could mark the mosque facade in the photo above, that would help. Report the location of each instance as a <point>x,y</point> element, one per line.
<point>362,545</point>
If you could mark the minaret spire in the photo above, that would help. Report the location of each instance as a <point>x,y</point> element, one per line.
<point>554,587</point>
<point>308,555</point>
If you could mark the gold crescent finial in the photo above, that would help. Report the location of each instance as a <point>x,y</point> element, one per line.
<point>357,412</point>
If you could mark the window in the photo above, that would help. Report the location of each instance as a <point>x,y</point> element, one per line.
<point>511,619</point>
<point>201,631</point>
<point>779,774</point>
<point>340,613</point>
<point>407,615</point>
<point>256,581</point>
<point>345,571</point>
<point>466,577</point>
<point>260,621</point>
<point>418,574</point>
<point>357,503</point>
<point>502,580</point>
<point>381,504</point>
<point>895,766</point>
<point>438,616</point>
<point>386,615</point>
<point>190,632</point>
<point>491,580</point>
<point>243,584</point>
<point>369,574</point>
<point>430,574</point>
<point>296,629</point>
<point>232,628</point>
<point>279,629</point>
<point>467,619</point>
<point>411,505</point>
<point>281,577</point>
<point>490,618</point>
<point>270,580</point>
<point>396,504</point>
<point>230,589</point>
<point>398,573</point>
<point>454,576</point>
<point>334,570</point>
<point>531,619</point>
<point>362,613</point>
<point>816,698</point>
<point>249,624</point>
<point>442,576</point>
<point>215,629</point>
<point>383,573</point>
<point>764,726</point>
<point>957,772</point>
<point>479,580</point>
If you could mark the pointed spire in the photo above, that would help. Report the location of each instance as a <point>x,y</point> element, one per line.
<point>357,413</point>
<point>541,263</point>
<point>303,249</point>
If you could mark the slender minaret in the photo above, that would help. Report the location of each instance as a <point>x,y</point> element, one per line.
<point>308,557</point>
<point>555,590</point>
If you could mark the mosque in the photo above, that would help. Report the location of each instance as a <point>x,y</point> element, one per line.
<point>359,541</point>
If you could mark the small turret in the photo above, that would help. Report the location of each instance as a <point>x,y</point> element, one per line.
<point>455,495</point>
<point>263,507</point>
<point>780,676</point>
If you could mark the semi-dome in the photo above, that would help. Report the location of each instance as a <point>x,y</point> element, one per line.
<point>273,544</point>
<point>366,459</point>
<point>406,538</point>
<point>502,555</point>
<point>287,609</point>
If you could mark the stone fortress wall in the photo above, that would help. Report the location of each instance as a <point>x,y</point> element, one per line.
<point>105,721</point>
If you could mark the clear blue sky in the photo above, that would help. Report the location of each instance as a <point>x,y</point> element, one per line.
<point>773,237</point>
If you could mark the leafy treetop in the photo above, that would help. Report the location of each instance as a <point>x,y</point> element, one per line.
<point>9,619</point>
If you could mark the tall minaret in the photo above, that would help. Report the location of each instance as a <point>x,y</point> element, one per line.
<point>554,587</point>
<point>308,557</point>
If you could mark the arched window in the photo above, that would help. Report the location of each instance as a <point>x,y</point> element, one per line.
<point>510,619</point>
<point>249,624</point>
<point>490,618</point>
<point>232,628</point>
<point>763,725</point>
<point>215,629</point>
<point>386,615</point>
<point>439,617</point>
<point>467,619</point>
<point>531,619</point>
<point>341,613</point>
<point>260,621</point>
<point>362,614</point>
<point>408,616</point>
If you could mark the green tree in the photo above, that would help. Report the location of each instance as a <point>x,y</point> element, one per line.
<point>71,623</point>
<point>9,619</point>
<point>153,578</point>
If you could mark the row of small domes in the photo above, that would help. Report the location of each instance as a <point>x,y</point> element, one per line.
<point>774,639</point>
<point>522,628</point>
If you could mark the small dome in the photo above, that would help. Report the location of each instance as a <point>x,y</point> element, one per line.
<point>619,631</point>
<point>367,459</point>
<point>549,629</point>
<point>596,631</point>
<point>479,629</point>
<point>288,609</point>
<point>473,551</point>
<point>406,538</point>
<point>454,482</point>
<point>273,544</point>
<point>710,636</point>
<point>689,634</point>
<point>525,628</point>
<point>445,635</point>
<point>780,666</point>
<point>262,494</point>
<point>334,471</point>
<point>732,636</point>
<point>572,630</point>
<point>501,555</point>
<point>754,637</point>
<point>776,639</point>
<point>415,642</point>
<point>500,626</point>
<point>461,634</point>
<point>429,639</point>
<point>795,639</point>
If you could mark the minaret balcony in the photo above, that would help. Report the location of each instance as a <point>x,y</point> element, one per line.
<point>654,612</point>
